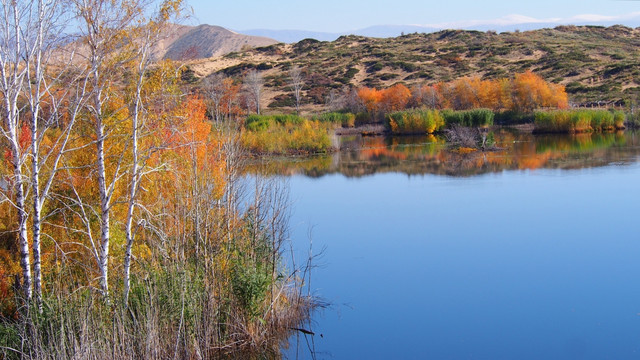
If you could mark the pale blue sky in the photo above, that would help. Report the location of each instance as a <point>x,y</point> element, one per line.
<point>345,15</point>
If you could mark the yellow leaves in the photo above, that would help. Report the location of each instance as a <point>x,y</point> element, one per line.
<point>531,91</point>
<point>394,126</point>
<point>169,8</point>
<point>161,79</point>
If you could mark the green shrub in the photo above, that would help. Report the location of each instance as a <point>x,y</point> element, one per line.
<point>257,123</point>
<point>288,119</point>
<point>552,122</point>
<point>250,282</point>
<point>619,119</point>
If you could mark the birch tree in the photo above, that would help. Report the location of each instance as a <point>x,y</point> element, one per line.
<point>149,35</point>
<point>31,33</point>
<point>104,24</point>
<point>254,82</point>
<point>44,89</point>
<point>215,92</point>
<point>297,83</point>
<point>14,72</point>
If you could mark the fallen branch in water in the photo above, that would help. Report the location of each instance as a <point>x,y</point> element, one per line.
<point>303,331</point>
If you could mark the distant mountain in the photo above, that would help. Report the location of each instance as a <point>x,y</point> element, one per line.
<point>380,31</point>
<point>292,36</point>
<point>388,31</point>
<point>205,41</point>
<point>546,25</point>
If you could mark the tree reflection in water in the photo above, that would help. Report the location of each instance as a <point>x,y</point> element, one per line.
<point>361,156</point>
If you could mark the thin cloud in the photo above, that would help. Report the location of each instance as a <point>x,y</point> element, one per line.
<point>516,19</point>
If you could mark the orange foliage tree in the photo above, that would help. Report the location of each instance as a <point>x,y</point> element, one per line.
<point>523,93</point>
<point>370,98</point>
<point>394,98</point>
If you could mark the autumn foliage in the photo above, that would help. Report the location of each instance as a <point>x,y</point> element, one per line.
<point>387,100</point>
<point>523,93</point>
<point>206,266</point>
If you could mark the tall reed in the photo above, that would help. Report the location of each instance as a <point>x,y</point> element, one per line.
<point>469,118</point>
<point>577,121</point>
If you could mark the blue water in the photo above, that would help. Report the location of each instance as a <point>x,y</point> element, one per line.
<point>524,264</point>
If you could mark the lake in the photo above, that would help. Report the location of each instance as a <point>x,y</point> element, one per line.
<point>531,252</point>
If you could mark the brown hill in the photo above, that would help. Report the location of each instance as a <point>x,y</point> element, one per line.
<point>179,42</point>
<point>205,41</point>
<point>597,65</point>
<point>170,35</point>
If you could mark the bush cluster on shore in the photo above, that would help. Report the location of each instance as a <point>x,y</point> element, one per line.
<point>293,134</point>
<point>427,121</point>
<point>286,134</point>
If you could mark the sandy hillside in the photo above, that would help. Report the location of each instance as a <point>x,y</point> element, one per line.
<point>205,41</point>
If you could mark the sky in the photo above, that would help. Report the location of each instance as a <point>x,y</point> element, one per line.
<point>346,15</point>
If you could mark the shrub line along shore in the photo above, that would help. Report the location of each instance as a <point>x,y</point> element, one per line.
<point>294,134</point>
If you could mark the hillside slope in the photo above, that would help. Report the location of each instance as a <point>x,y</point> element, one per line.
<point>597,65</point>
<point>205,41</point>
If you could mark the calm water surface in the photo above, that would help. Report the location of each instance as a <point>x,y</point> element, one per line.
<point>528,253</point>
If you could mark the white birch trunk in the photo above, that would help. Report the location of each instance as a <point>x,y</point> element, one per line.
<point>13,72</point>
<point>34,99</point>
<point>105,204</point>
<point>21,206</point>
<point>135,178</point>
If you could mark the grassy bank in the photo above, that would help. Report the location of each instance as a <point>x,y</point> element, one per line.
<point>578,121</point>
<point>293,134</point>
<point>176,312</point>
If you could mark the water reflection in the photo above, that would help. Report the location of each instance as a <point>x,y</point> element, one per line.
<point>361,156</point>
